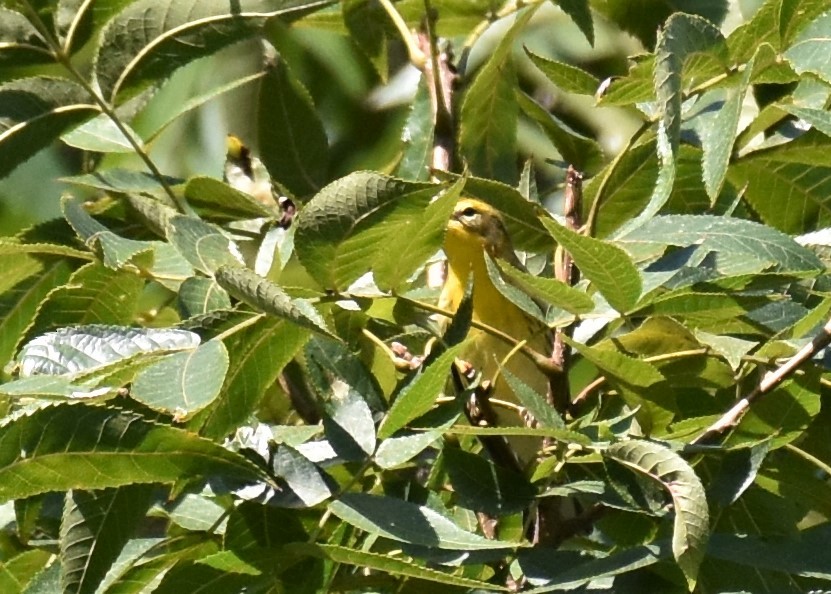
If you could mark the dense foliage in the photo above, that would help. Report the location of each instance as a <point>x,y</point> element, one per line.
<point>205,390</point>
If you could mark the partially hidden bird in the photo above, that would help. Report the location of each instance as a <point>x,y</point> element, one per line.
<point>474,229</point>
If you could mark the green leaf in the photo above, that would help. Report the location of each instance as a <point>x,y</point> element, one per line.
<point>21,43</point>
<point>809,52</point>
<point>642,18</point>
<point>580,13</point>
<point>416,240</point>
<point>398,450</point>
<point>692,520</point>
<point>734,239</point>
<point>149,40</point>
<point>417,137</point>
<point>407,522</point>
<point>215,199</point>
<point>617,563</point>
<point>204,245</point>
<point>257,356</point>
<point>578,150</point>
<point>513,294</point>
<point>303,478</point>
<point>83,348</point>
<point>269,298</point>
<point>184,382</point>
<point>94,528</point>
<point>94,294</point>
<point>387,564</point>
<point>550,290</point>
<point>487,136</point>
<point>102,135</point>
<point>608,267</point>
<point>99,447</point>
<point>483,486</point>
<point>346,228</point>
<point>802,554</point>
<point>536,403</point>
<point>292,141</point>
<point>817,118</point>
<point>719,134</point>
<point>34,112</point>
<point>367,23</point>
<point>199,295</point>
<point>27,282</point>
<point>565,76</point>
<point>420,394</point>
<point>783,415</point>
<point>20,570</point>
<point>619,366</point>
<point>116,251</point>
<point>797,173</point>
<point>122,180</point>
<point>348,422</point>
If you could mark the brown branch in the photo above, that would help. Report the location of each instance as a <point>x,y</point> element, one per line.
<point>772,379</point>
<point>567,272</point>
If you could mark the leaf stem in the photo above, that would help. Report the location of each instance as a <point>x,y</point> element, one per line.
<point>417,57</point>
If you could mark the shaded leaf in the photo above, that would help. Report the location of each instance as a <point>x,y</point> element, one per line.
<point>487,136</point>
<point>149,40</point>
<point>717,140</point>
<point>213,198</point>
<point>99,447</point>
<point>269,298</point>
<point>199,295</point>
<point>291,137</point>
<point>580,151</point>
<point>303,478</point>
<point>94,528</point>
<point>483,486</point>
<point>692,520</point>
<point>389,565</point>
<point>420,394</point>
<point>417,137</point>
<point>407,522</point>
<point>580,13</point>
<point>348,225</point>
<point>34,112</point>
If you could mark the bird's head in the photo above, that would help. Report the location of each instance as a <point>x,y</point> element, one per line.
<point>479,225</point>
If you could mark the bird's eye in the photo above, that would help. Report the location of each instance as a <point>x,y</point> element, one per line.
<point>469,211</point>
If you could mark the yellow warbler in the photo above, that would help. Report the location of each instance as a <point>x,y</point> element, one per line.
<point>473,229</point>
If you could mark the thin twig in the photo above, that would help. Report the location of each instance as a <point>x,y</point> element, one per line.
<point>732,417</point>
